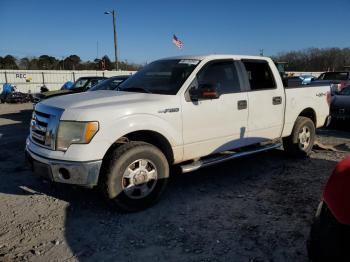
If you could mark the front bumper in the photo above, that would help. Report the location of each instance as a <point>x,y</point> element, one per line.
<point>69,172</point>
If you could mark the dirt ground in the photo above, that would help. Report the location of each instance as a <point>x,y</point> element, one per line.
<point>257,208</point>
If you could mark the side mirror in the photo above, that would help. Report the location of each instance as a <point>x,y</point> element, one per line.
<point>204,91</point>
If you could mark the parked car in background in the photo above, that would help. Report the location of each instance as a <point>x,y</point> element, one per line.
<point>67,85</point>
<point>338,80</point>
<point>110,83</point>
<point>295,81</point>
<point>340,105</point>
<point>329,238</point>
<point>307,79</point>
<point>81,85</point>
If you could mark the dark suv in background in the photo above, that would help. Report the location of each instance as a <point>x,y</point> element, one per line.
<point>339,80</point>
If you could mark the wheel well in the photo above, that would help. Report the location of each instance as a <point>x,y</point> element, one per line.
<point>309,113</point>
<point>150,137</point>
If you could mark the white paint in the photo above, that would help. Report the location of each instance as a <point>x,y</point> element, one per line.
<point>195,130</point>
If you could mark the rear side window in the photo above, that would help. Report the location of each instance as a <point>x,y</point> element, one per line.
<point>259,75</point>
<point>223,75</point>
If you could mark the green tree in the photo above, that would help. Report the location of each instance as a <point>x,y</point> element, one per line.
<point>72,62</point>
<point>24,63</point>
<point>316,59</point>
<point>47,62</point>
<point>8,62</point>
<point>107,62</point>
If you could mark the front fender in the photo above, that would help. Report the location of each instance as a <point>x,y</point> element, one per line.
<point>169,129</point>
<point>337,192</point>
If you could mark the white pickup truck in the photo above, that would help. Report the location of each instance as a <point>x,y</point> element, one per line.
<point>192,111</point>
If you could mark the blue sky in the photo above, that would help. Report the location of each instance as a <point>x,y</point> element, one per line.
<point>145,28</point>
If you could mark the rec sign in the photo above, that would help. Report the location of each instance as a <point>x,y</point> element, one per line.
<point>21,75</point>
<point>24,76</point>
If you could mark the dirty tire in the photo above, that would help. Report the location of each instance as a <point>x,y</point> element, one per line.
<point>113,181</point>
<point>327,240</point>
<point>293,144</point>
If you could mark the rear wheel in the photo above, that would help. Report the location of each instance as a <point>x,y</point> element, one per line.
<point>302,139</point>
<point>134,176</point>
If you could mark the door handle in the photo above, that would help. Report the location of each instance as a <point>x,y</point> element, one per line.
<point>277,100</point>
<point>242,104</point>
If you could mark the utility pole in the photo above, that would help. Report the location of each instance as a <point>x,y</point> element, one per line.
<point>115,41</point>
<point>114,14</point>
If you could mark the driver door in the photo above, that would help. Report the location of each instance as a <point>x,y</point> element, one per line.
<point>215,125</point>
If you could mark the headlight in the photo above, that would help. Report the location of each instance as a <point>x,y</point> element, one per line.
<point>70,132</point>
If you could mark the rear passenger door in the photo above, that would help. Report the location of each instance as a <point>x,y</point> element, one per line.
<point>266,101</point>
<point>215,125</point>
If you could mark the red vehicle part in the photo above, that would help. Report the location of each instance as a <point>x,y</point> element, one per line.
<point>337,192</point>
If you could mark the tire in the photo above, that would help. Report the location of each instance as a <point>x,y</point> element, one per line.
<point>134,176</point>
<point>328,239</point>
<point>302,139</point>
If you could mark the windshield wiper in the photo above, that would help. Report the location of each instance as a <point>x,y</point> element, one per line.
<point>135,88</point>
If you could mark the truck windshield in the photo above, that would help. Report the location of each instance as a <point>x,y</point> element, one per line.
<point>160,77</point>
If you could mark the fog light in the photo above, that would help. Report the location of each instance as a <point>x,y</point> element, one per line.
<point>64,173</point>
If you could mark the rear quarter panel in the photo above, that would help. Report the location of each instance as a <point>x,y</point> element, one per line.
<point>301,98</point>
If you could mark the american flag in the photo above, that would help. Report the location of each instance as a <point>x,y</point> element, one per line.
<point>177,42</point>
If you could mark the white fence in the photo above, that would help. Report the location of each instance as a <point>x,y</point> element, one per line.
<point>31,80</point>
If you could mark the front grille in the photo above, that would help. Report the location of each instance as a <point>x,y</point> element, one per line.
<point>39,124</point>
<point>44,125</point>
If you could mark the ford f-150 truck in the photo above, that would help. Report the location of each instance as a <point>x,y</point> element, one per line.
<point>191,111</point>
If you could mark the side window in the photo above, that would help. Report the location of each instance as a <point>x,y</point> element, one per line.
<point>93,82</point>
<point>89,85</point>
<point>221,74</point>
<point>260,75</point>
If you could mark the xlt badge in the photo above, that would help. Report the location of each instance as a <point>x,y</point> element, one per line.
<point>169,110</point>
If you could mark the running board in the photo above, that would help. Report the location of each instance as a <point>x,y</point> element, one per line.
<point>219,159</point>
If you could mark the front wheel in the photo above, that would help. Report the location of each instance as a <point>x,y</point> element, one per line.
<point>134,176</point>
<point>302,139</point>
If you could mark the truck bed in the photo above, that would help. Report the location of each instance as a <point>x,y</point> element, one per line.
<point>315,97</point>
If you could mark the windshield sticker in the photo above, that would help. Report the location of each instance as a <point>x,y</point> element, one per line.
<point>189,61</point>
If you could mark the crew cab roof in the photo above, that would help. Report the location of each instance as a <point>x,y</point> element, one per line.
<point>92,77</point>
<point>217,56</point>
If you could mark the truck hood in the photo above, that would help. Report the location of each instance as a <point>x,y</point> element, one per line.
<point>97,99</point>
<point>106,104</point>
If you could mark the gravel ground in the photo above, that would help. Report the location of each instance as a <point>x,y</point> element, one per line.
<point>257,208</point>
